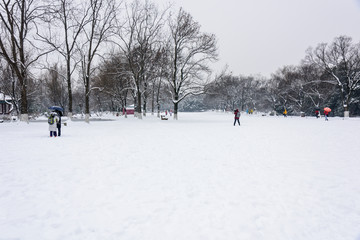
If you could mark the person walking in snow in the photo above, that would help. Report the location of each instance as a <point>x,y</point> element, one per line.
<point>237,116</point>
<point>326,113</point>
<point>52,121</point>
<point>327,110</point>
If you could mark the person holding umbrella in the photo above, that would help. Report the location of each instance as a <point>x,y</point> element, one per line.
<point>59,111</point>
<point>327,110</point>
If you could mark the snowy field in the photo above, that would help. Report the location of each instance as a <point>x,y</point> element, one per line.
<point>198,178</point>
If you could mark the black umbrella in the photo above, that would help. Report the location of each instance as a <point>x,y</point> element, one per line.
<point>58,109</point>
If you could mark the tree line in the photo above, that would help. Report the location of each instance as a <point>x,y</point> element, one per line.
<point>328,76</point>
<point>103,55</point>
<point>72,53</point>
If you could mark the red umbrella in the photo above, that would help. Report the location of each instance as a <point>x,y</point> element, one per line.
<point>327,109</point>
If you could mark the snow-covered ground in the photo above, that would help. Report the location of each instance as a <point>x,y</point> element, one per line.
<point>196,178</point>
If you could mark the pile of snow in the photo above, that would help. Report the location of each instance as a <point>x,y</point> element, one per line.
<point>196,178</point>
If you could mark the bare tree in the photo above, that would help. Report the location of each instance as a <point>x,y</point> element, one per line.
<point>315,89</point>
<point>290,93</point>
<point>55,86</point>
<point>190,51</point>
<point>160,74</point>
<point>341,60</point>
<point>9,85</point>
<point>113,81</point>
<point>248,93</point>
<point>139,41</point>
<point>18,19</point>
<point>230,90</point>
<point>65,21</point>
<point>97,31</point>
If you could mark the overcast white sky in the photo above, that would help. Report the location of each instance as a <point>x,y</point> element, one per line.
<point>260,36</point>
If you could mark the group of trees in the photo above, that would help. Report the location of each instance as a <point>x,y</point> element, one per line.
<point>52,52</point>
<point>329,75</point>
<point>101,55</point>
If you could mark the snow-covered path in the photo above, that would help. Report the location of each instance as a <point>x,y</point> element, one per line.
<point>196,178</point>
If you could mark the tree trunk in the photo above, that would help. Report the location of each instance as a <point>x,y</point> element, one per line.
<point>176,106</point>
<point>176,111</point>
<point>144,108</point>
<point>346,111</point>
<point>158,110</point>
<point>68,73</point>
<point>145,98</point>
<point>24,116</point>
<point>87,99</point>
<point>158,98</point>
<point>124,107</point>
<point>153,101</point>
<point>138,110</point>
<point>13,95</point>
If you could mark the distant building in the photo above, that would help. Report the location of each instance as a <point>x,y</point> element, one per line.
<point>6,105</point>
<point>129,110</point>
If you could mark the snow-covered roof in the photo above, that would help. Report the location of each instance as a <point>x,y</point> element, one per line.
<point>130,107</point>
<point>4,97</point>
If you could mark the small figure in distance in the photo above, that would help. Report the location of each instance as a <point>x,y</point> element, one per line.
<point>327,110</point>
<point>285,113</point>
<point>52,121</point>
<point>317,113</point>
<point>237,116</point>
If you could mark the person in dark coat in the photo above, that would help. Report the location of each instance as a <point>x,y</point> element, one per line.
<point>317,113</point>
<point>237,117</point>
<point>58,124</point>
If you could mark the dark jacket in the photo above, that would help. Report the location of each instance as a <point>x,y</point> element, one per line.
<point>237,114</point>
